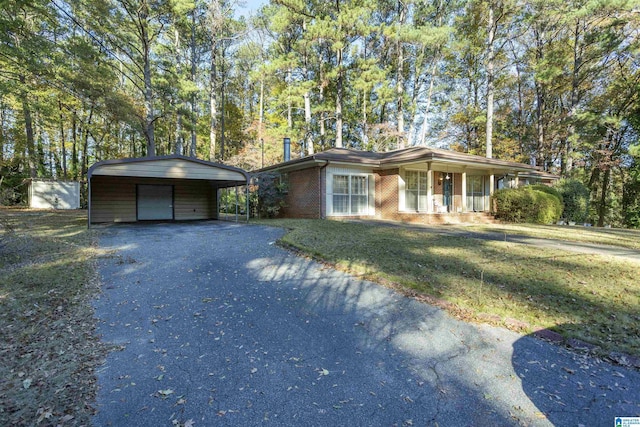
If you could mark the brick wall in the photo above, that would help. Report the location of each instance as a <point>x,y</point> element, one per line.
<point>303,199</point>
<point>387,193</point>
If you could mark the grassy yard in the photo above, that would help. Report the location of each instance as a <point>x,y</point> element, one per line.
<point>592,298</point>
<point>615,237</point>
<point>48,349</point>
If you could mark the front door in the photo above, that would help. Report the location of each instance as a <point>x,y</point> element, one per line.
<point>447,192</point>
<point>154,202</point>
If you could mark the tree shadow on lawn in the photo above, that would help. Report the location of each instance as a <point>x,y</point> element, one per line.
<point>531,287</point>
<point>574,388</point>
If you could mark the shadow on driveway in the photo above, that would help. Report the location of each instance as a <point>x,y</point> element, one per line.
<point>219,326</point>
<point>572,388</point>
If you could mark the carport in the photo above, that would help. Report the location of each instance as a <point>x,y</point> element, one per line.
<point>159,188</point>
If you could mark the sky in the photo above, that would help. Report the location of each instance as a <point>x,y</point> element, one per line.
<point>246,7</point>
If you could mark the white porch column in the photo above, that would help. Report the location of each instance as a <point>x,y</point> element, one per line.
<point>429,189</point>
<point>464,190</point>
<point>492,183</point>
<point>516,181</point>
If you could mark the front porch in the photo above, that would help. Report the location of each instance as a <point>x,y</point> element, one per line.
<point>429,188</point>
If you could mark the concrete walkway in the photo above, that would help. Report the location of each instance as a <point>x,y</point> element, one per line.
<point>219,326</point>
<point>576,247</point>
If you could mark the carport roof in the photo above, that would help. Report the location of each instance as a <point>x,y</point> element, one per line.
<point>172,166</point>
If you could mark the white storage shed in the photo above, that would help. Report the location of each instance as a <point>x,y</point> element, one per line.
<point>47,194</point>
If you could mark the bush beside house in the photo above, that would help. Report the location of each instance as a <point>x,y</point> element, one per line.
<point>575,198</point>
<point>268,197</point>
<point>527,204</point>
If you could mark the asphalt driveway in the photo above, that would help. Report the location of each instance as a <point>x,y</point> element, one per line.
<point>217,325</point>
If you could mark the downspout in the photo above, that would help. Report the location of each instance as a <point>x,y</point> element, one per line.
<point>320,187</point>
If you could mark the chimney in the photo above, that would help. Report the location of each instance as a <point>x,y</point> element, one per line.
<point>287,149</point>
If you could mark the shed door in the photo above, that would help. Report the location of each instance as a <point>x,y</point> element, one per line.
<point>154,202</point>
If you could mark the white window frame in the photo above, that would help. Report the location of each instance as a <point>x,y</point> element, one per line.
<point>369,193</point>
<point>404,190</point>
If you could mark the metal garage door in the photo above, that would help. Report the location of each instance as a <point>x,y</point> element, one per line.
<point>154,202</point>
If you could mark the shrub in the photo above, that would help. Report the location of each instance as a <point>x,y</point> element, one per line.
<point>527,204</point>
<point>548,190</point>
<point>575,198</point>
<point>13,189</point>
<point>271,192</point>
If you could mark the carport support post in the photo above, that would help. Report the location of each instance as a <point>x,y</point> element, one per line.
<point>89,202</point>
<point>247,201</point>
<point>236,203</point>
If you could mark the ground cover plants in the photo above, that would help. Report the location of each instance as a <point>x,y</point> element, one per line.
<point>589,297</point>
<point>48,349</point>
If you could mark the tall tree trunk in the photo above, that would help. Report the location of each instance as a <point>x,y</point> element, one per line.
<point>573,107</point>
<point>222,106</point>
<point>40,156</point>
<point>148,88</point>
<point>425,123</point>
<point>85,145</point>
<point>261,119</point>
<point>179,147</point>
<point>74,146</point>
<point>540,127</point>
<point>339,97</point>
<point>432,78</point>
<point>213,102</point>
<point>63,149</point>
<point>179,139</point>
<point>365,137</point>
<point>400,79</point>
<point>28,129</point>
<point>323,117</point>
<point>491,34</point>
<point>307,101</point>
<point>602,206</point>
<point>307,124</point>
<point>289,106</point>
<point>194,100</point>
<point>3,119</point>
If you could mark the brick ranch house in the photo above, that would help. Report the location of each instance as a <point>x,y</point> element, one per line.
<point>416,184</point>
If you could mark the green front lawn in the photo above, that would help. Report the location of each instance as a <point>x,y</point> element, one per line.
<point>593,298</point>
<point>604,236</point>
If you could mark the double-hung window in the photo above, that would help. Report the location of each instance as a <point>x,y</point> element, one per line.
<point>416,190</point>
<point>350,194</point>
